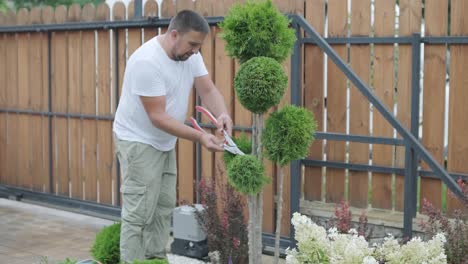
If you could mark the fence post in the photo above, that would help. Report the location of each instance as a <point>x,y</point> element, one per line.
<point>411,159</point>
<point>296,99</point>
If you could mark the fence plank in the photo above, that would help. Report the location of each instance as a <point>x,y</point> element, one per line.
<point>12,101</point>
<point>88,106</point>
<point>436,12</point>
<point>458,119</point>
<point>105,153</point>
<point>358,183</point>
<point>336,103</point>
<point>75,84</point>
<point>150,10</point>
<point>60,104</point>
<point>23,132</point>
<point>314,96</point>
<point>3,104</point>
<point>383,88</point>
<point>134,34</point>
<point>118,12</point>
<point>35,92</point>
<point>410,22</point>
<point>168,8</point>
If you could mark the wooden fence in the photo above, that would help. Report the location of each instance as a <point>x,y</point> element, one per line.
<point>86,70</point>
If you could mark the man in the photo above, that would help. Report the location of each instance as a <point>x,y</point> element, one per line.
<point>150,117</point>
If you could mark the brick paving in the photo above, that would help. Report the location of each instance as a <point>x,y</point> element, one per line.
<point>34,234</point>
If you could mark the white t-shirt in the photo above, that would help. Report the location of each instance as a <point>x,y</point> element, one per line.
<point>150,72</point>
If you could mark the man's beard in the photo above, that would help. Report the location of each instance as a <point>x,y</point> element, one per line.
<point>182,57</point>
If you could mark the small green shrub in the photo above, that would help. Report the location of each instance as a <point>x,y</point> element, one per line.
<point>260,84</point>
<point>257,29</point>
<point>151,261</point>
<point>106,247</point>
<point>243,143</point>
<point>288,134</point>
<point>246,174</point>
<point>68,261</point>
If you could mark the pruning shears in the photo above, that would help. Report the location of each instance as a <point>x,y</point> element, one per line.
<point>228,144</point>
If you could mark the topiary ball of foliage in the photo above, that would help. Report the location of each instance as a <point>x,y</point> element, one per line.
<point>260,84</point>
<point>257,29</point>
<point>106,247</point>
<point>288,134</point>
<point>243,143</point>
<point>246,174</point>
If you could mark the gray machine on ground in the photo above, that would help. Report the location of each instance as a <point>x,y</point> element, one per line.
<point>189,238</point>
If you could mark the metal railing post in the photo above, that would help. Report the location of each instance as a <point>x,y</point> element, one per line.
<point>296,99</point>
<point>411,159</point>
<point>138,9</point>
<point>49,95</point>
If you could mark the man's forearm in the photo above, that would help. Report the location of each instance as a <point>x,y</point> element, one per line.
<point>214,101</point>
<point>170,125</point>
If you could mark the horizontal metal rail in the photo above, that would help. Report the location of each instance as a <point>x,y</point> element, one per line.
<point>390,40</point>
<point>374,168</point>
<point>359,138</point>
<point>363,88</point>
<point>96,25</point>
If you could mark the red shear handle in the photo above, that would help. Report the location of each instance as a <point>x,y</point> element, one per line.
<point>207,113</point>
<point>195,125</point>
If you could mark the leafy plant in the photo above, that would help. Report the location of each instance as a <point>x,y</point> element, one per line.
<point>342,221</point>
<point>456,229</point>
<point>288,134</point>
<point>260,84</point>
<point>226,230</point>
<point>106,246</point>
<point>246,174</point>
<point>257,29</point>
<point>243,143</point>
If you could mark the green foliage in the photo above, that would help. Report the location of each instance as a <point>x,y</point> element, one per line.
<point>106,247</point>
<point>246,174</point>
<point>260,84</point>
<point>243,143</point>
<point>288,134</point>
<point>257,29</point>
<point>151,261</point>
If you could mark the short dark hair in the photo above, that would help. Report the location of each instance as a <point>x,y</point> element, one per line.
<point>188,20</point>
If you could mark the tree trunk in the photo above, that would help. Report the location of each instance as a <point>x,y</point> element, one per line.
<point>260,194</point>
<point>279,210</point>
<point>251,228</point>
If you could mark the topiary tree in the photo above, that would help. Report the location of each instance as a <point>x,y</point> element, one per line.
<point>257,29</point>
<point>260,84</point>
<point>243,143</point>
<point>288,135</point>
<point>246,174</point>
<point>106,247</point>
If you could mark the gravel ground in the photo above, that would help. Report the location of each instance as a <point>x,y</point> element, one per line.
<point>176,259</point>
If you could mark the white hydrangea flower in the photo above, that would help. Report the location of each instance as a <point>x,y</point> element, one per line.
<point>369,260</point>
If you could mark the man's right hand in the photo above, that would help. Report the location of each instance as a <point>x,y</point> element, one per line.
<point>211,142</point>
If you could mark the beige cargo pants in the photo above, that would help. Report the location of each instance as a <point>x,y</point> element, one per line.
<point>149,197</point>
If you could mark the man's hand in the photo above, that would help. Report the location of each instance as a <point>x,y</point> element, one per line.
<point>211,142</point>
<point>224,123</point>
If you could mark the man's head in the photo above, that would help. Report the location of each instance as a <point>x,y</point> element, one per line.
<point>187,32</point>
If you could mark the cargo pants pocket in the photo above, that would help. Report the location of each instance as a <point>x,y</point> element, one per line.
<point>134,198</point>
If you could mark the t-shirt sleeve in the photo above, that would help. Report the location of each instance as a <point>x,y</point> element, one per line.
<point>198,66</point>
<point>145,80</point>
